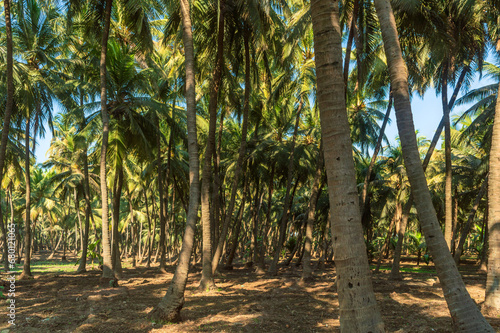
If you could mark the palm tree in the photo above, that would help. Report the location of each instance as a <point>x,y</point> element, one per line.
<point>465,314</point>
<point>171,304</point>
<point>358,307</point>
<point>9,105</point>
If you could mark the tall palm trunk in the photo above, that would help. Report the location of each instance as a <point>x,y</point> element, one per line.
<point>464,312</point>
<point>115,250</point>
<point>448,200</point>
<point>163,207</point>
<point>241,153</point>
<point>492,299</point>
<point>107,271</point>
<point>207,280</point>
<point>359,311</point>
<point>27,226</point>
<point>9,105</point>
<point>88,210</point>
<point>171,304</point>
<point>273,268</point>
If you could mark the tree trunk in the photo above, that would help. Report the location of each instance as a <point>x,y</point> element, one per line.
<point>448,206</point>
<point>311,213</point>
<point>170,306</point>
<point>5,245</point>
<point>359,311</point>
<point>207,281</point>
<point>464,312</point>
<point>470,219</point>
<point>107,271</point>
<point>273,268</point>
<point>163,208</point>
<point>492,299</point>
<point>88,210</point>
<point>236,233</point>
<point>149,246</point>
<point>9,104</point>
<point>241,153</point>
<point>115,250</point>
<point>27,225</point>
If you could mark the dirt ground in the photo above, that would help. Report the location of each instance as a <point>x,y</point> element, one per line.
<point>243,302</point>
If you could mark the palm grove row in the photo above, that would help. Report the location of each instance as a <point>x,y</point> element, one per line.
<point>263,120</point>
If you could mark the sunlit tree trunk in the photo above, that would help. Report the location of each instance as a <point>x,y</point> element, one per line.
<point>107,271</point>
<point>492,299</point>
<point>359,311</point>
<point>464,312</point>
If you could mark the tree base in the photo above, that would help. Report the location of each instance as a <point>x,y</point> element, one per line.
<point>163,314</point>
<point>108,282</point>
<point>207,285</point>
<point>25,276</point>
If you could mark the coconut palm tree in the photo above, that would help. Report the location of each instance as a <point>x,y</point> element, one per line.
<point>171,304</point>
<point>354,283</point>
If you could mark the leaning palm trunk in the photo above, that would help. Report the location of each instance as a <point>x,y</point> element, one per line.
<point>27,226</point>
<point>170,306</point>
<point>359,311</point>
<point>9,106</point>
<point>207,280</point>
<point>241,153</point>
<point>107,271</point>
<point>465,314</point>
<point>492,299</point>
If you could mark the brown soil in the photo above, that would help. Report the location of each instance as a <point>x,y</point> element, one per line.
<point>243,302</point>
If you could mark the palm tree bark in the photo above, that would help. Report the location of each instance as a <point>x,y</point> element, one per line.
<point>27,224</point>
<point>163,207</point>
<point>107,271</point>
<point>359,311</point>
<point>9,105</point>
<point>207,280</point>
<point>169,308</point>
<point>88,210</point>
<point>448,201</point>
<point>465,315</point>
<point>115,250</point>
<point>273,268</point>
<point>492,299</point>
<point>241,153</point>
